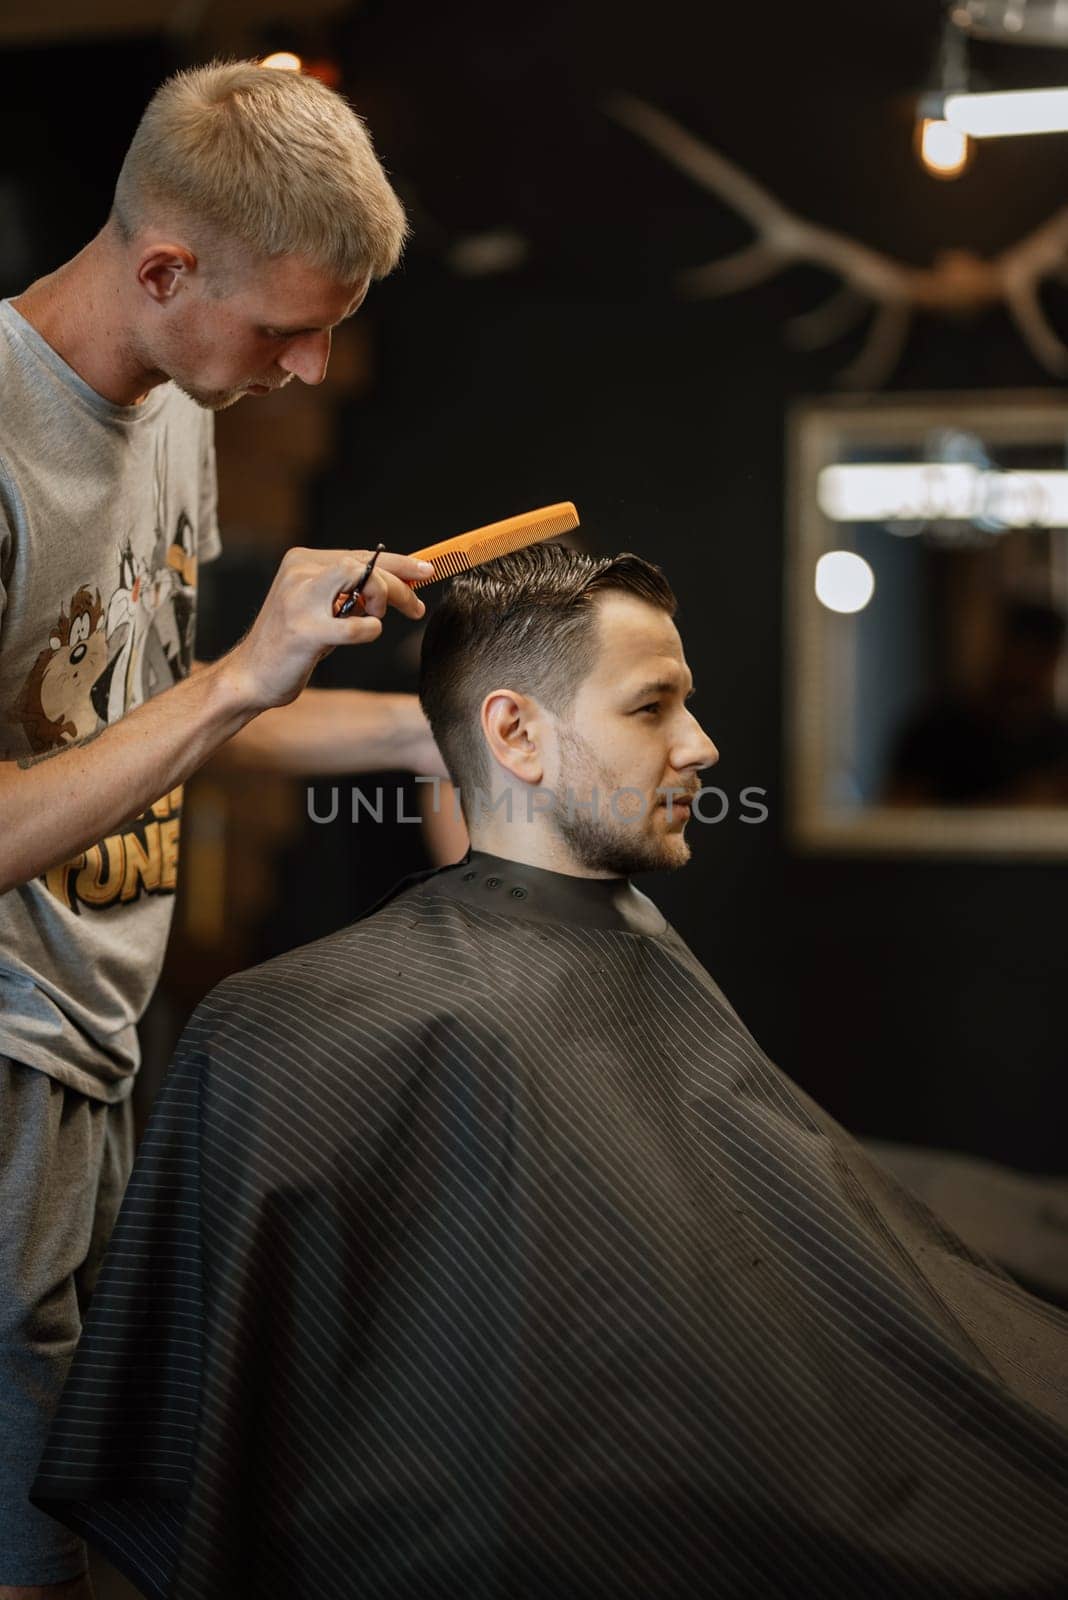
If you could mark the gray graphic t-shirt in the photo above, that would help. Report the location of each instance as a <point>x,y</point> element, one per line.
<point>105,512</point>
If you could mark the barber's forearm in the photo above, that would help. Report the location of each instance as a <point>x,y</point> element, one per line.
<point>325,732</point>
<point>57,804</point>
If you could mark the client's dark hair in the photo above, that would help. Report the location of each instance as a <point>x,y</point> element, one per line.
<point>523,622</point>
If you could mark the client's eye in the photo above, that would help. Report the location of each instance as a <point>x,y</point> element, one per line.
<point>653,706</point>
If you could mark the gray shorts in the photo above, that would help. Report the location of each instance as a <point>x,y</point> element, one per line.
<point>64,1163</point>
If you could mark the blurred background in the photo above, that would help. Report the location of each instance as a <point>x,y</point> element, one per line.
<point>897,946</point>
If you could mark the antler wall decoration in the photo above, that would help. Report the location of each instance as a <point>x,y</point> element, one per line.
<point>960,284</point>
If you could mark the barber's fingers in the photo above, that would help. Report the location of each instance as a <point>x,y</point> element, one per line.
<point>385,588</point>
<point>355,630</point>
<point>388,585</point>
<point>406,567</point>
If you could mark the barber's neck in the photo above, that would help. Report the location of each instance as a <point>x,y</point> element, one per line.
<point>79,310</point>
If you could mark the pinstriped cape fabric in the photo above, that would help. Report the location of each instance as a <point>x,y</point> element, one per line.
<point>527,1275</point>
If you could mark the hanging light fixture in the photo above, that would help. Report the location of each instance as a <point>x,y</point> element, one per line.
<point>998,114</point>
<point>944,149</point>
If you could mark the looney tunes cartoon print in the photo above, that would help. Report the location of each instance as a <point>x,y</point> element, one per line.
<point>110,647</point>
<point>105,654</point>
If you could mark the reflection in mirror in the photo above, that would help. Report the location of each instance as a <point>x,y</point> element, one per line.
<point>928,601</point>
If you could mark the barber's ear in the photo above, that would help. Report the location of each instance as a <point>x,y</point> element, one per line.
<point>513,727</point>
<point>162,269</point>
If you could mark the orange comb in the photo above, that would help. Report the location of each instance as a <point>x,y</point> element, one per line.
<point>495,539</point>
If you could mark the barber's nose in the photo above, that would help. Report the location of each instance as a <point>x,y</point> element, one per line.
<point>307,357</point>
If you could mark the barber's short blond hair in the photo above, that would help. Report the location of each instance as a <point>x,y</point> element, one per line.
<point>271,160</point>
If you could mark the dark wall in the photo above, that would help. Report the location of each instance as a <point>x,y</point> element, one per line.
<point>921,1001</point>
<point>66,116</point>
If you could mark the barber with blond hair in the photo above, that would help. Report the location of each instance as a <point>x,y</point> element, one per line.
<point>250,217</point>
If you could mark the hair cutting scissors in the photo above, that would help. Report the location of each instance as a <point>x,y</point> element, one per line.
<point>346,603</point>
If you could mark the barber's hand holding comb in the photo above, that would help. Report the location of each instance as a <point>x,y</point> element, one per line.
<point>297,627</point>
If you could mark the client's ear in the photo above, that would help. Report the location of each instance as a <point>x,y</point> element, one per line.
<point>513,726</point>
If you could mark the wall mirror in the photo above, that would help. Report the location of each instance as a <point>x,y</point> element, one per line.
<point>927,624</point>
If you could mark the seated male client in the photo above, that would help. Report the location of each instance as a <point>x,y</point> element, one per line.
<point>479,1251</point>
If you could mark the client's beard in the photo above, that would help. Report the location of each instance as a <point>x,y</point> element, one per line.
<point>597,839</point>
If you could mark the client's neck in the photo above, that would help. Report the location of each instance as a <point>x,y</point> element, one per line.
<point>533,844</point>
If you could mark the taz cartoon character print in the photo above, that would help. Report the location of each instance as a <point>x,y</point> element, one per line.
<point>103,656</point>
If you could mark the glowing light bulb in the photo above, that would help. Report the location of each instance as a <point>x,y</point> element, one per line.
<point>284,60</point>
<point>844,581</point>
<point>944,150</point>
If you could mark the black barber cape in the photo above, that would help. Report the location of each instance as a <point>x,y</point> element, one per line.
<point>478,1251</point>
